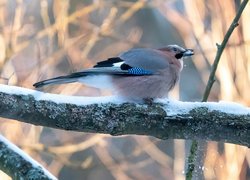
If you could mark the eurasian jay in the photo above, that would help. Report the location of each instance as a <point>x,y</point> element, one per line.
<point>137,74</point>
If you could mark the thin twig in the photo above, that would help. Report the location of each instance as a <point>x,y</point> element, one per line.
<point>220,49</point>
<point>191,159</point>
<point>211,80</point>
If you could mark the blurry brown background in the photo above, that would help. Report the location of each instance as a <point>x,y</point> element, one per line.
<point>46,38</point>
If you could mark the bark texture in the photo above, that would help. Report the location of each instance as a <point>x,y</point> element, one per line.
<point>128,118</point>
<point>17,166</point>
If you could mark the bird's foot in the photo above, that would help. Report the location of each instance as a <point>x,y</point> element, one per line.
<point>148,101</point>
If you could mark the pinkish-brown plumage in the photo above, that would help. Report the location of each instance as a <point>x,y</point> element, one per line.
<point>146,87</point>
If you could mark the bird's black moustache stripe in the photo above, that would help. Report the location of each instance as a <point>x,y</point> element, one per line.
<point>179,55</point>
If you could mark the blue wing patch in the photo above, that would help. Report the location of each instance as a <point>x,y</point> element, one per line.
<point>139,71</point>
<point>135,70</point>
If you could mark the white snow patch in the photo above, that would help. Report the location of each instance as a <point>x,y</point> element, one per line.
<point>57,98</point>
<point>174,107</point>
<point>26,157</point>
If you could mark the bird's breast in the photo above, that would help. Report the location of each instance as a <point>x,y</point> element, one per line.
<point>152,86</point>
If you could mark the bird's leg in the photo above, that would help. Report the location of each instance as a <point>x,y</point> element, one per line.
<point>148,101</point>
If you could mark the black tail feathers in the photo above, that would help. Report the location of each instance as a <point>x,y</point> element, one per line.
<point>57,80</point>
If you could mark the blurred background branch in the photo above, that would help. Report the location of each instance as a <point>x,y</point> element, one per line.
<point>18,165</point>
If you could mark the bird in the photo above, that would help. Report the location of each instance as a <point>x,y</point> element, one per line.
<point>137,74</point>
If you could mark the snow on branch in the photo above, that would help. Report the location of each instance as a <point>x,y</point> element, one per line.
<point>19,165</point>
<point>165,119</point>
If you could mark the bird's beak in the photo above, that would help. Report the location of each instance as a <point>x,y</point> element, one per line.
<point>188,52</point>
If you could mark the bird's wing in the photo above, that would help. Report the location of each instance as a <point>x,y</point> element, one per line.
<point>134,62</point>
<point>121,69</point>
<point>149,59</point>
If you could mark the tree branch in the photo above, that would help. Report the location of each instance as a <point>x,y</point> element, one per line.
<point>226,122</point>
<point>19,165</point>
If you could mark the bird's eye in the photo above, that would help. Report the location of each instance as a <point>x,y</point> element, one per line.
<point>175,49</point>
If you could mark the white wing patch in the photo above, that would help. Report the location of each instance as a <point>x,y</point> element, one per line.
<point>118,64</point>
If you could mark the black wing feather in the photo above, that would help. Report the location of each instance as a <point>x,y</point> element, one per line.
<point>109,62</point>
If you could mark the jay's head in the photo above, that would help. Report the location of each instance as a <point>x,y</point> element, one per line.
<point>177,51</point>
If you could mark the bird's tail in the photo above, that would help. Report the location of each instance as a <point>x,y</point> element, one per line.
<point>57,80</point>
<point>80,76</point>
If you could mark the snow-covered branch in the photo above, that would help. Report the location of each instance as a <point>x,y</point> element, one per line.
<point>225,122</point>
<point>19,165</point>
